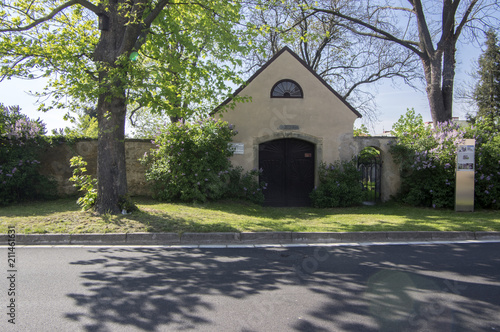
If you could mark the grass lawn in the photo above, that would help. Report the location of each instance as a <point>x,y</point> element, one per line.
<point>64,216</point>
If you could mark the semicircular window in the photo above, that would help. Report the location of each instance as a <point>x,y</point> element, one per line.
<point>286,89</point>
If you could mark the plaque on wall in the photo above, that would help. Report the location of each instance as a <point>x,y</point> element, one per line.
<point>288,127</point>
<point>237,148</point>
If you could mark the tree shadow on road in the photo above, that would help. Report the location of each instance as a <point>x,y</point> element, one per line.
<point>345,289</point>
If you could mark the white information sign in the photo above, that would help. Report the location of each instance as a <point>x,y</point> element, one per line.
<point>465,158</point>
<point>237,148</point>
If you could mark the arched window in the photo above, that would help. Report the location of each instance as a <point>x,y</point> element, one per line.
<point>286,89</point>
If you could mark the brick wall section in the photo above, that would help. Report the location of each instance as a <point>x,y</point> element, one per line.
<point>55,163</point>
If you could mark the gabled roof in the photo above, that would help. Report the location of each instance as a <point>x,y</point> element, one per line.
<point>277,55</point>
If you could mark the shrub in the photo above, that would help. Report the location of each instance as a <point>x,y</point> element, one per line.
<point>21,143</point>
<point>339,185</point>
<point>245,185</point>
<point>428,165</point>
<point>84,183</point>
<point>191,164</point>
<point>487,176</point>
<point>427,159</point>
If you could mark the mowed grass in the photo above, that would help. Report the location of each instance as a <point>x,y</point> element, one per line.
<point>64,216</point>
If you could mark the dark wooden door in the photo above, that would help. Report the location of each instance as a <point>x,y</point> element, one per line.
<point>288,169</point>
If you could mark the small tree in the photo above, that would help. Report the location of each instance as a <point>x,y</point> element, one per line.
<point>487,90</point>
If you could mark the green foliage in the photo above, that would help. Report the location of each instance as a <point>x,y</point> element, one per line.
<point>428,163</point>
<point>21,145</point>
<point>427,160</point>
<point>145,125</point>
<point>85,124</point>
<point>191,164</point>
<point>361,131</point>
<point>487,90</point>
<point>184,63</point>
<point>245,185</point>
<point>339,185</point>
<point>127,205</point>
<point>84,183</point>
<point>487,176</point>
<point>410,126</point>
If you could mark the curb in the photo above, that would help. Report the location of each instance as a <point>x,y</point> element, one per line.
<point>243,238</point>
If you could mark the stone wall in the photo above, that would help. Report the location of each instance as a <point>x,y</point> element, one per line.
<point>55,163</point>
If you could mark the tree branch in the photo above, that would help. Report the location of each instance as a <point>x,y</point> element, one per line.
<point>53,13</point>
<point>465,18</point>
<point>381,34</point>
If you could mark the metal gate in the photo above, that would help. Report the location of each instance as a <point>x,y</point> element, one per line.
<point>288,169</point>
<point>370,166</point>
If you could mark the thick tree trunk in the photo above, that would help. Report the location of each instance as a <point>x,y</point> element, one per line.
<point>111,171</point>
<point>433,76</point>
<point>448,79</point>
<point>111,108</point>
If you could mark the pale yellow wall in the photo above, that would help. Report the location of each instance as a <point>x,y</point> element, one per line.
<point>322,117</point>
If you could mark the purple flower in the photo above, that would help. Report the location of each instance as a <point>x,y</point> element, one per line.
<point>9,175</point>
<point>14,170</point>
<point>245,188</point>
<point>198,183</point>
<point>206,179</point>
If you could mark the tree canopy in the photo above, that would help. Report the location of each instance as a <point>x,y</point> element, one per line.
<point>425,28</point>
<point>119,53</point>
<point>347,61</point>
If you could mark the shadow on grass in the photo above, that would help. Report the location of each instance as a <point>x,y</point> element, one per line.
<point>166,222</point>
<point>368,218</point>
<point>40,208</point>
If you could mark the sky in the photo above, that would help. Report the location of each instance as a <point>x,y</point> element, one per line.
<point>392,100</point>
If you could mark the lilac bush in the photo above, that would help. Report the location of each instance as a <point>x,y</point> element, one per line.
<point>487,176</point>
<point>428,163</point>
<point>427,159</point>
<point>21,143</point>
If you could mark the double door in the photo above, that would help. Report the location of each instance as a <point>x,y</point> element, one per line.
<point>288,169</point>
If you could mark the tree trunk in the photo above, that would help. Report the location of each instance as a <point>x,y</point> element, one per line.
<point>111,108</point>
<point>111,171</point>
<point>448,79</point>
<point>433,72</point>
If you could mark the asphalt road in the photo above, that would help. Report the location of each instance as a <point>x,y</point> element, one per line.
<point>432,287</point>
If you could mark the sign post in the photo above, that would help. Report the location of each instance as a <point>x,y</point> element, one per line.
<point>464,190</point>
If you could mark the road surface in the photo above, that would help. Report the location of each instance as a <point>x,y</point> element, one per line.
<point>427,287</point>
